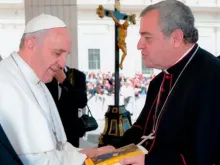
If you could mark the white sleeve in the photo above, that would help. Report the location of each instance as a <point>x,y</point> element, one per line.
<point>68,156</point>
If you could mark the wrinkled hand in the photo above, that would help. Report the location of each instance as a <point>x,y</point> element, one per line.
<point>134,160</point>
<point>60,76</point>
<point>105,150</point>
<point>90,153</point>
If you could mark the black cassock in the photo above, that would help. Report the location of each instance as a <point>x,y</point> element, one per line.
<point>188,129</point>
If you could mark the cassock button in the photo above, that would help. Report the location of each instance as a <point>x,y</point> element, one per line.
<point>167,77</point>
<point>162,90</point>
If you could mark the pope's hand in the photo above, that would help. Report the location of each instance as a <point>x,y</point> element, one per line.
<point>90,153</point>
<point>105,150</point>
<point>133,160</point>
<point>60,75</point>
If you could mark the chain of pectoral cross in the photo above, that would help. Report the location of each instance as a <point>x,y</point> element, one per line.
<point>58,143</point>
<point>151,136</point>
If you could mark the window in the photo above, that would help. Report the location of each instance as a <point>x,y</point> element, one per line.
<point>94,58</point>
<point>146,70</point>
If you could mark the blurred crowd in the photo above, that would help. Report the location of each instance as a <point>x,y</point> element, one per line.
<point>103,84</point>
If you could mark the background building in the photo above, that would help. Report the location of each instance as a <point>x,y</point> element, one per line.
<point>96,36</point>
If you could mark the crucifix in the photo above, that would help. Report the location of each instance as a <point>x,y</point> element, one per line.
<point>120,36</point>
<point>117,119</point>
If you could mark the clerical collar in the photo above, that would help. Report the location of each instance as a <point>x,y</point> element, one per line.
<point>28,72</point>
<point>180,63</point>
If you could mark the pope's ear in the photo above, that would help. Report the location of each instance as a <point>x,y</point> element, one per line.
<point>30,43</point>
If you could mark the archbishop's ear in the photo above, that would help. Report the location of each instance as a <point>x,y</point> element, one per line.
<point>177,37</point>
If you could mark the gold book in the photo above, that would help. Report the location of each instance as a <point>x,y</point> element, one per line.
<point>114,158</point>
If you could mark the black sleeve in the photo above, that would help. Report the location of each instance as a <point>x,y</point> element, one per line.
<point>206,136</point>
<point>206,144</point>
<point>134,134</point>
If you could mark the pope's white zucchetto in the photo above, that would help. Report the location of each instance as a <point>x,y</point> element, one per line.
<point>43,22</point>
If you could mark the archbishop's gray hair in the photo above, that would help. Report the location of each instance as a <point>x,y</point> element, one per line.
<point>39,35</point>
<point>175,15</point>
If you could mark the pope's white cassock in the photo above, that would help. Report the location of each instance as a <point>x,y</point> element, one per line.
<point>30,118</point>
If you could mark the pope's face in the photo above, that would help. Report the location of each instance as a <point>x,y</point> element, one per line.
<point>50,54</point>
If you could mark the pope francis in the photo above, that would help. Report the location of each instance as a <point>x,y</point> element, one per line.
<point>28,113</point>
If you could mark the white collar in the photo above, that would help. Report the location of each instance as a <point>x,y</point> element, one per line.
<point>28,72</point>
<point>165,70</point>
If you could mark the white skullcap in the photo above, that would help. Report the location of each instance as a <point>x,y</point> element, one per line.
<point>43,22</point>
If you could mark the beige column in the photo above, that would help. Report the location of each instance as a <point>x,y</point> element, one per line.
<point>65,10</point>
